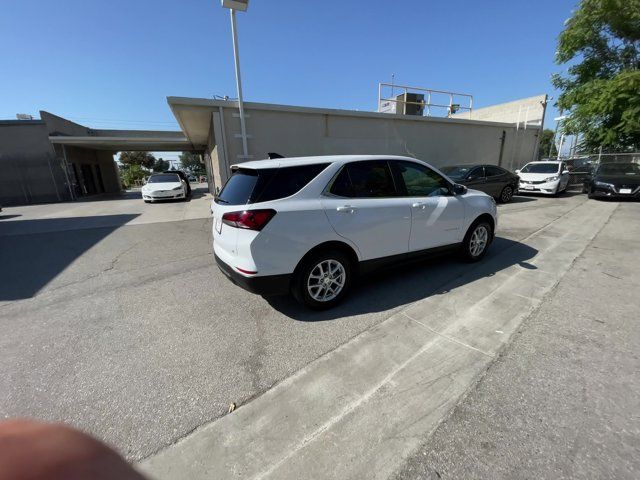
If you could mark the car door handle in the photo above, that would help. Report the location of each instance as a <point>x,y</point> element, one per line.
<point>346,209</point>
<point>419,205</point>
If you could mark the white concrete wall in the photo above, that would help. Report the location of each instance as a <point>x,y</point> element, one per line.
<point>528,111</point>
<point>298,131</point>
<point>30,172</point>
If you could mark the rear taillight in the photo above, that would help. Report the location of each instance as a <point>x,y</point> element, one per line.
<point>249,219</point>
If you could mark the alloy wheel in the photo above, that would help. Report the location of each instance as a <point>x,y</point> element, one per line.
<point>326,280</point>
<point>479,240</point>
<point>507,193</point>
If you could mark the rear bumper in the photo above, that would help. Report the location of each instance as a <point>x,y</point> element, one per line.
<point>267,286</point>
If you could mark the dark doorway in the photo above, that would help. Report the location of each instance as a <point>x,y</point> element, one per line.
<point>99,177</point>
<point>87,179</point>
<point>502,139</point>
<point>76,181</point>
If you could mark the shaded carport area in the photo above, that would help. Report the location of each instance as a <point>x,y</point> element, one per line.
<point>88,160</point>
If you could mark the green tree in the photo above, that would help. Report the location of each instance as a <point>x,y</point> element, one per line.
<point>161,165</point>
<point>547,148</point>
<point>601,90</point>
<point>143,159</point>
<point>191,163</point>
<point>132,175</point>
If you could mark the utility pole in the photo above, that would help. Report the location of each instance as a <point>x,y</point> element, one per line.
<point>241,5</point>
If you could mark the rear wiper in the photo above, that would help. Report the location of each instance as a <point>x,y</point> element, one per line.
<point>220,200</point>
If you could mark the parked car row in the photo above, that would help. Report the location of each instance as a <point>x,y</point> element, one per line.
<point>547,177</point>
<point>308,226</point>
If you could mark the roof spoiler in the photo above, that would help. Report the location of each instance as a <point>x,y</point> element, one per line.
<point>274,155</point>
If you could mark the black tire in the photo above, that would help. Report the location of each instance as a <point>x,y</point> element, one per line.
<point>467,250</point>
<point>506,195</point>
<point>147,201</point>
<point>310,264</point>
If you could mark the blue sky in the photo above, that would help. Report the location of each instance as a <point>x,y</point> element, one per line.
<point>110,64</point>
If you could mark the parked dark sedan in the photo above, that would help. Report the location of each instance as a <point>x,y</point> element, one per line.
<point>613,180</point>
<point>490,179</point>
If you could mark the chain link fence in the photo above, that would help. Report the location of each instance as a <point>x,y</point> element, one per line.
<point>581,165</point>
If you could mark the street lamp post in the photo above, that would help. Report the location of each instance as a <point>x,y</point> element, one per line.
<point>242,6</point>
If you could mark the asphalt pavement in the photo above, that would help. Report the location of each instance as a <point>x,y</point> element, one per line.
<point>563,400</point>
<point>123,326</point>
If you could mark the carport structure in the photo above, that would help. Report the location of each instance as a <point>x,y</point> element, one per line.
<point>88,161</point>
<point>54,159</point>
<point>86,155</point>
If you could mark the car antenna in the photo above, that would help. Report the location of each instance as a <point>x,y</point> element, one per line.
<point>274,155</point>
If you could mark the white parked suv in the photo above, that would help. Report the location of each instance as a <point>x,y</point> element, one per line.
<point>543,177</point>
<point>310,225</point>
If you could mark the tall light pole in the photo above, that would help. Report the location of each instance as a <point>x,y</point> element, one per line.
<point>242,6</point>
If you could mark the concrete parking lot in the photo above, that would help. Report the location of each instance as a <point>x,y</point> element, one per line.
<point>116,320</point>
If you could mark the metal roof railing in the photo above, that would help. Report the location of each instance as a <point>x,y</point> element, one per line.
<point>432,97</point>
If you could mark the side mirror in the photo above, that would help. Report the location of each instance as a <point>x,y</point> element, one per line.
<point>517,172</point>
<point>564,172</point>
<point>459,189</point>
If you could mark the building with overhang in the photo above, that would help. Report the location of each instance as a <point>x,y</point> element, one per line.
<point>54,159</point>
<point>505,134</point>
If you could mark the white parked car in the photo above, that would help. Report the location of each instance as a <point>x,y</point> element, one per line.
<point>164,186</point>
<point>550,177</point>
<point>310,225</point>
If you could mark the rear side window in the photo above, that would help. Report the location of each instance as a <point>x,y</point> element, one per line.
<point>364,180</point>
<point>262,185</point>
<point>476,173</point>
<point>493,171</point>
<point>289,180</point>
<point>240,187</point>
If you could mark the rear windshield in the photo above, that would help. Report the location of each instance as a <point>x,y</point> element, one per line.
<point>262,185</point>
<point>164,178</point>
<point>541,168</point>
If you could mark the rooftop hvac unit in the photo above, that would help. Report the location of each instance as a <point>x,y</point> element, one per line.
<point>404,104</point>
<point>410,104</point>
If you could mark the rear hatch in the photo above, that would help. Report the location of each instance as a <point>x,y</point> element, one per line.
<point>246,188</point>
<point>239,191</point>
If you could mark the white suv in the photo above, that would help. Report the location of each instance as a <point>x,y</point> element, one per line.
<point>310,225</point>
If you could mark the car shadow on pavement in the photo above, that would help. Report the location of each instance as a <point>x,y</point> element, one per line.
<point>34,252</point>
<point>520,199</point>
<point>392,288</point>
<point>529,196</point>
